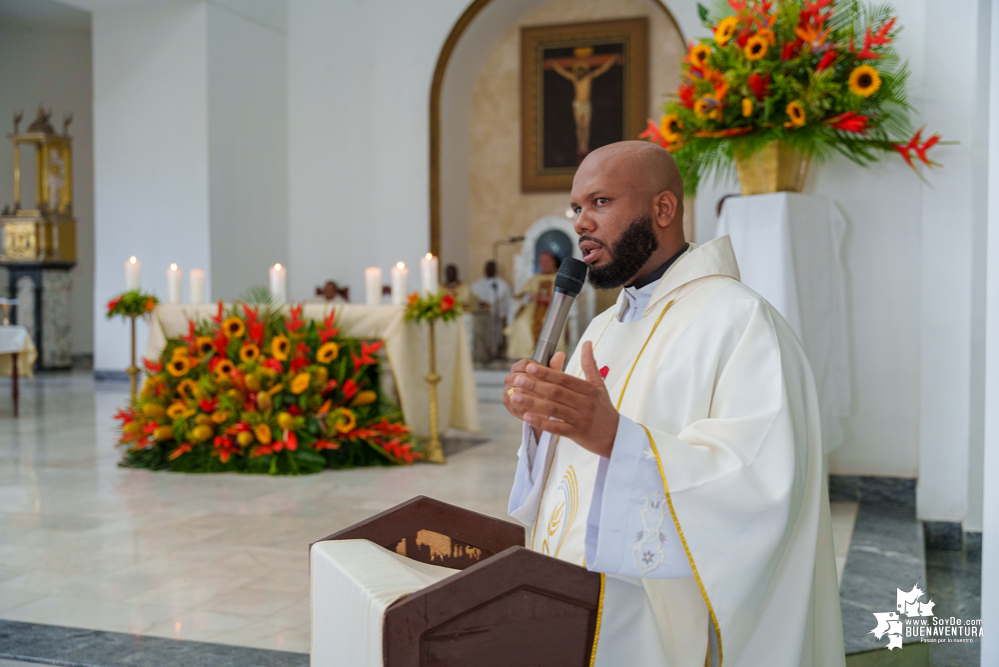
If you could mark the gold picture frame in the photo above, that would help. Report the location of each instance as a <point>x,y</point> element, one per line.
<point>583,85</point>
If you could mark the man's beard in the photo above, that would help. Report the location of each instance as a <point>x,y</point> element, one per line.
<point>628,254</point>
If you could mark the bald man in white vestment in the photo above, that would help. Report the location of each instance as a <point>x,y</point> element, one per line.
<point>679,454</point>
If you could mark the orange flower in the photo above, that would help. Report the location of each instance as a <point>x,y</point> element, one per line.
<point>796,113</point>
<point>204,344</point>
<point>699,55</point>
<point>263,433</point>
<point>178,367</point>
<point>412,298</point>
<point>224,368</point>
<point>280,346</point>
<point>756,47</point>
<point>300,383</point>
<point>150,303</point>
<point>345,421</point>
<point>249,352</point>
<point>233,327</point>
<point>187,388</point>
<point>747,107</point>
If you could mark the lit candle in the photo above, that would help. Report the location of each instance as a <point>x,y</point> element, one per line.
<point>400,280</point>
<point>373,285</point>
<point>133,273</point>
<point>175,284</point>
<point>279,283</point>
<point>428,274</point>
<point>196,278</point>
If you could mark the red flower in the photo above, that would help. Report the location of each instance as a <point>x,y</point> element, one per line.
<point>447,303</point>
<point>905,150</point>
<point>827,60</point>
<point>849,122</point>
<point>251,313</point>
<point>294,411</point>
<point>742,39</point>
<point>328,387</point>
<point>760,85</point>
<point>350,388</point>
<point>791,49</point>
<point>326,331</point>
<point>326,444</point>
<point>190,332</point>
<point>125,416</point>
<point>224,448</point>
<point>653,135</point>
<point>218,318</point>
<point>295,322</point>
<point>152,366</point>
<point>113,303</point>
<point>273,364</point>
<point>208,404</point>
<point>150,428</point>
<point>297,364</point>
<point>879,39</point>
<point>255,332</point>
<point>221,343</point>
<point>686,93</point>
<point>290,441</point>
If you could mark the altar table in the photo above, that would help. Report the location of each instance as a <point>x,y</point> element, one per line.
<point>790,251</point>
<point>17,354</point>
<point>406,345</point>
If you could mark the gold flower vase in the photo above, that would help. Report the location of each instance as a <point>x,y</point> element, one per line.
<point>776,167</point>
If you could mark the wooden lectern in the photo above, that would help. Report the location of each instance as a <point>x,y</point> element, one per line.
<point>508,606</point>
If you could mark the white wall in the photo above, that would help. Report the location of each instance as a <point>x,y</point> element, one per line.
<point>150,154</point>
<point>52,67</point>
<point>248,149</point>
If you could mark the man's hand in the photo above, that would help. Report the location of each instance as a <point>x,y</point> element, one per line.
<point>582,409</point>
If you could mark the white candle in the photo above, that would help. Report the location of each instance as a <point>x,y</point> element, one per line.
<point>175,284</point>
<point>429,283</point>
<point>373,285</point>
<point>133,273</point>
<point>400,280</point>
<point>196,278</point>
<point>279,283</point>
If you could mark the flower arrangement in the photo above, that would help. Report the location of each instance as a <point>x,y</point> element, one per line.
<point>439,306</point>
<point>133,303</point>
<point>813,76</point>
<point>251,390</point>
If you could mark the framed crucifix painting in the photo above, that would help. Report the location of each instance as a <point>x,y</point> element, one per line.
<point>583,85</point>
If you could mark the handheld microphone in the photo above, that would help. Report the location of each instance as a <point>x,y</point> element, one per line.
<point>568,282</point>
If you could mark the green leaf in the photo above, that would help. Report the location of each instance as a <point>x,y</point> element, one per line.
<point>702,12</point>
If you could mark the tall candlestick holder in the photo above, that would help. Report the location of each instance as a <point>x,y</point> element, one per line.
<point>435,452</point>
<point>133,370</point>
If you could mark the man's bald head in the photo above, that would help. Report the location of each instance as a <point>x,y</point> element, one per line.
<point>628,199</point>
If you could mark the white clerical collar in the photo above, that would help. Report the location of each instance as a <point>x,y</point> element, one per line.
<point>635,301</point>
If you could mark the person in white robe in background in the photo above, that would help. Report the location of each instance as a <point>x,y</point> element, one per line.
<point>679,453</point>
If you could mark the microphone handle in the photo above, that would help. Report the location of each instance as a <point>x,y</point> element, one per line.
<point>551,331</point>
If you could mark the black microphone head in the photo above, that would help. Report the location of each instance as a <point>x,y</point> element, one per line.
<point>571,276</point>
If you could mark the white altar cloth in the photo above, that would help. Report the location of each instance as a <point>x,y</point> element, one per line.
<point>353,583</point>
<point>15,340</point>
<point>406,344</point>
<point>789,247</point>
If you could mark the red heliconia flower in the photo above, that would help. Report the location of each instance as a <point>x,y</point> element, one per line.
<point>357,362</point>
<point>297,364</point>
<point>294,323</point>
<point>190,332</point>
<point>150,428</point>
<point>251,313</point>
<point>827,60</point>
<point>653,134</point>
<point>447,303</point>
<point>791,49</point>
<point>208,404</point>
<point>152,366</point>
<point>326,444</point>
<point>217,318</point>
<point>255,332</point>
<point>350,388</point>
<point>221,343</point>
<point>125,416</point>
<point>273,364</point>
<point>850,121</point>
<point>326,331</point>
<point>329,386</point>
<point>760,85</point>
<point>686,93</point>
<point>290,441</point>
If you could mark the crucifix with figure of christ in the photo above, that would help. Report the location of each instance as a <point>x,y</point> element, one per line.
<point>581,70</point>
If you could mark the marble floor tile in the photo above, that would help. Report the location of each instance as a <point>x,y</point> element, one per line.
<point>90,614</point>
<point>198,625</point>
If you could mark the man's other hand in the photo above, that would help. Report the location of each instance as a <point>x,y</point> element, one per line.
<point>550,400</point>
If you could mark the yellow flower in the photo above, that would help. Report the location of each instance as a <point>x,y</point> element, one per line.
<point>345,421</point>
<point>725,30</point>
<point>202,432</point>
<point>366,397</point>
<point>263,433</point>
<point>300,383</point>
<point>178,409</point>
<point>670,128</point>
<point>285,421</point>
<point>233,327</point>
<point>699,55</point>
<point>163,433</point>
<point>204,344</point>
<point>328,352</point>
<point>178,367</point>
<point>224,368</point>
<point>249,352</point>
<point>796,113</point>
<point>252,382</point>
<point>153,410</point>
<point>864,81</point>
<point>747,107</point>
<point>280,346</point>
<point>187,388</point>
<point>220,416</point>
<point>244,438</point>
<point>705,109</point>
<point>756,47</point>
<point>179,352</point>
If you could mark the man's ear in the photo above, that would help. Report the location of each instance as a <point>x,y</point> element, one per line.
<point>666,207</point>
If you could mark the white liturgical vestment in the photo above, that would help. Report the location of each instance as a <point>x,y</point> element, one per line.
<point>710,520</point>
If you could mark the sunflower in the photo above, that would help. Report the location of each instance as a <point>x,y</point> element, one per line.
<point>178,367</point>
<point>769,34</point>
<point>796,113</point>
<point>699,55</point>
<point>725,30</point>
<point>179,409</point>
<point>179,352</point>
<point>224,368</point>
<point>670,128</point>
<point>233,327</point>
<point>263,433</point>
<point>864,81</point>
<point>187,388</point>
<point>204,344</point>
<point>328,352</point>
<point>300,383</point>
<point>345,421</point>
<point>747,107</point>
<point>756,47</point>
<point>705,109</point>
<point>280,346</point>
<point>249,352</point>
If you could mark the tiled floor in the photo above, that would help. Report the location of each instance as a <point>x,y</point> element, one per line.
<point>220,558</point>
